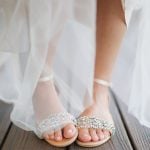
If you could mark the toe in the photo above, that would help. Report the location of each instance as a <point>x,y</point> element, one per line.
<point>69,131</point>
<point>58,135</point>
<point>84,135</point>
<point>100,134</point>
<point>46,136</point>
<point>51,136</point>
<point>106,133</point>
<point>94,135</point>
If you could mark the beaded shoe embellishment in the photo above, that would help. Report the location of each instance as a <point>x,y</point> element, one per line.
<point>96,123</point>
<point>54,122</point>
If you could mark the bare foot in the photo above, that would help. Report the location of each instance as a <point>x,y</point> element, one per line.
<point>46,102</point>
<point>100,109</point>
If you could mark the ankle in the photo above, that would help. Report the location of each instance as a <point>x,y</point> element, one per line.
<point>100,88</point>
<point>100,95</point>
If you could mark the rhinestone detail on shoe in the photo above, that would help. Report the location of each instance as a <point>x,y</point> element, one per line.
<point>54,122</point>
<point>96,123</point>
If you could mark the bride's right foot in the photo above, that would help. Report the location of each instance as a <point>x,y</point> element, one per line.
<point>46,102</point>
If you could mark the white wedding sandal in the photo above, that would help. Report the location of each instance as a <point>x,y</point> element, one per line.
<point>96,123</point>
<point>54,122</point>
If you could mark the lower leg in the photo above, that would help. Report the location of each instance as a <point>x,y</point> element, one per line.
<point>110,31</point>
<point>46,100</point>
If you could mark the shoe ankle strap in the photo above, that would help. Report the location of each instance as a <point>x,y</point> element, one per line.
<point>103,82</point>
<point>47,78</point>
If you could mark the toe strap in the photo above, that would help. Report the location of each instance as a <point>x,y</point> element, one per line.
<point>96,123</point>
<point>54,122</point>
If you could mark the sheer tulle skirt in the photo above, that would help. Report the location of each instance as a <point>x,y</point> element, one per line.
<point>39,37</point>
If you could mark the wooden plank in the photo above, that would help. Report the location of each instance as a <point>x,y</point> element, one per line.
<point>139,135</point>
<point>119,141</point>
<point>19,139</point>
<point>5,122</point>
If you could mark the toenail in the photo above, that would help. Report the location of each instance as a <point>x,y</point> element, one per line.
<point>47,137</point>
<point>102,136</point>
<point>58,138</point>
<point>51,136</point>
<point>106,136</point>
<point>85,135</point>
<point>70,131</point>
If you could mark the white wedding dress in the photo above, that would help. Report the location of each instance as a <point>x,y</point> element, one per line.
<point>34,33</point>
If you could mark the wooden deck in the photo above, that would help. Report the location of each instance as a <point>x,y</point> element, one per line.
<point>130,135</point>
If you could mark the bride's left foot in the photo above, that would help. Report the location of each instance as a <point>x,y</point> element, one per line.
<point>100,109</point>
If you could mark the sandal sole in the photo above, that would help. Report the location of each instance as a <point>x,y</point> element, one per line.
<point>65,142</point>
<point>92,144</point>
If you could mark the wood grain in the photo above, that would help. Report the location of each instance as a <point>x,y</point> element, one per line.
<point>19,139</point>
<point>139,135</point>
<point>5,122</point>
<point>130,135</point>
